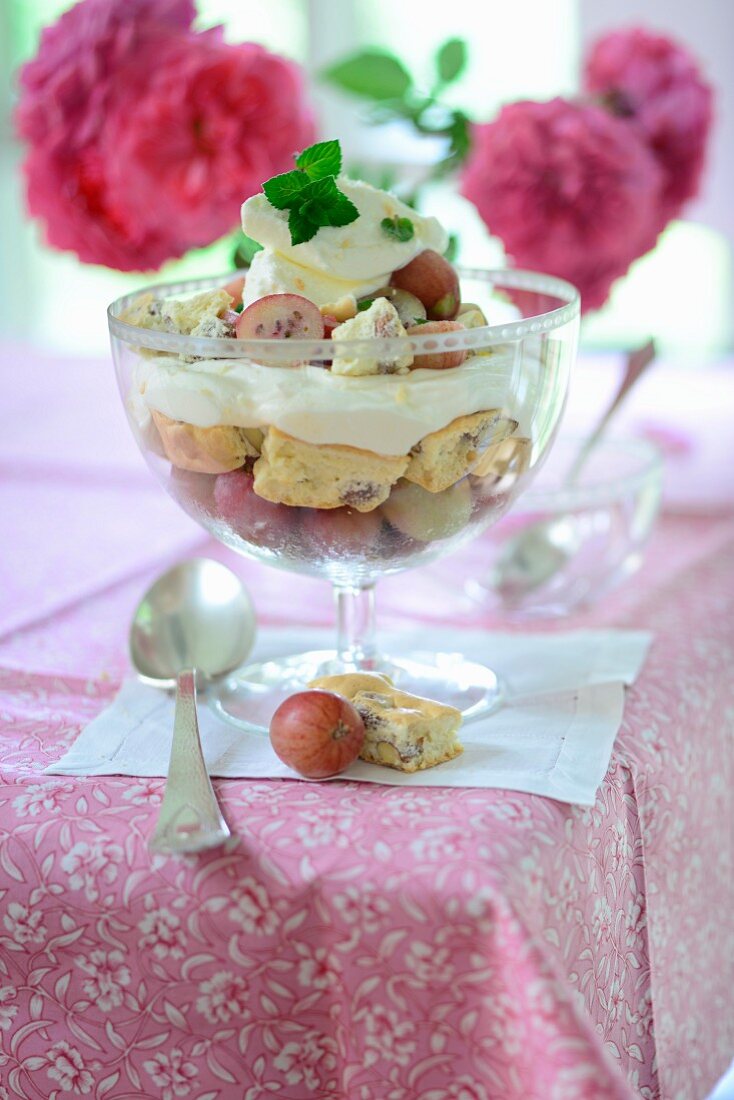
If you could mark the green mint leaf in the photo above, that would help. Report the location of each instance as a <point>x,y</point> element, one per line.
<point>309,193</point>
<point>372,74</point>
<point>324,204</point>
<point>284,190</point>
<point>451,60</point>
<point>320,160</point>
<point>365,304</point>
<point>302,227</point>
<point>400,229</point>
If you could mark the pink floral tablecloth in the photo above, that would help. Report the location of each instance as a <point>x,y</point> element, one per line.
<point>355,942</point>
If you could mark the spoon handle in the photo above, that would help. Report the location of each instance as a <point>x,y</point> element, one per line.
<point>190,819</point>
<point>637,363</point>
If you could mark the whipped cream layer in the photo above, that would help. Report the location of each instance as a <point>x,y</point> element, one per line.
<point>387,414</point>
<point>339,260</point>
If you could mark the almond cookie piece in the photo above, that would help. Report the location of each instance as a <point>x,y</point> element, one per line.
<point>145,311</point>
<point>380,320</point>
<point>402,731</point>
<point>189,314</point>
<point>323,475</point>
<point>442,458</point>
<point>214,450</point>
<point>195,316</point>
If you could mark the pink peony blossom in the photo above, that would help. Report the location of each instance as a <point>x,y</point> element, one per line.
<point>568,188</point>
<point>211,124</point>
<point>103,87</point>
<point>656,85</point>
<point>66,88</point>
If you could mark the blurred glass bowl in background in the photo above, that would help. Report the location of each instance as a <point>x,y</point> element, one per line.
<point>565,546</point>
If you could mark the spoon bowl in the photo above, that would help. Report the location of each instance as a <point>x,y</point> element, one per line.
<point>195,622</point>
<point>196,615</point>
<point>578,541</point>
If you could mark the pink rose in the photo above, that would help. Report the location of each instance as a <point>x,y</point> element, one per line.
<point>66,88</point>
<point>656,85</point>
<point>568,188</point>
<point>211,124</point>
<point>144,137</point>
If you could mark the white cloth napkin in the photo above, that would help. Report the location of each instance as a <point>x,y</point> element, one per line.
<point>564,699</point>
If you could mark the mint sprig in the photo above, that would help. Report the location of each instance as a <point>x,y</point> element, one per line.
<point>309,192</point>
<point>400,229</point>
<point>321,160</point>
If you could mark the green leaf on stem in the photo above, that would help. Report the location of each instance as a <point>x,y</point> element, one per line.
<point>372,74</point>
<point>451,60</point>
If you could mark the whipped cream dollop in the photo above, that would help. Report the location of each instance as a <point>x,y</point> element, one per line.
<point>387,414</point>
<point>339,260</point>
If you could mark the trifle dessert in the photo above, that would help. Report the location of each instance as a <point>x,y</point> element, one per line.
<point>351,405</point>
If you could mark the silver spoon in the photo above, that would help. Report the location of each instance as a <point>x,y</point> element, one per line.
<point>538,552</point>
<point>195,623</point>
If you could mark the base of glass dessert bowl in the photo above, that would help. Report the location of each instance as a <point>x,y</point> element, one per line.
<point>249,697</point>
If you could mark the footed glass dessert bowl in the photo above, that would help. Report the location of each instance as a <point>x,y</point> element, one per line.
<point>288,459</point>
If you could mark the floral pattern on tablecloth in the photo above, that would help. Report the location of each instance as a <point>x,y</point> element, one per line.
<point>368,943</point>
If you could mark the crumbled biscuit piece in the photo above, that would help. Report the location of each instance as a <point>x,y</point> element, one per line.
<point>185,315</point>
<point>380,320</point>
<point>402,731</point>
<point>196,316</point>
<point>442,458</point>
<point>312,475</point>
<point>145,312</point>
<point>216,328</point>
<point>214,450</point>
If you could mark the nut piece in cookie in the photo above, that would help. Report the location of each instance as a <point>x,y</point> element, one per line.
<point>444,457</point>
<point>471,316</point>
<point>402,731</point>
<point>505,458</point>
<point>380,320</point>
<point>214,450</point>
<point>312,475</point>
<point>428,516</point>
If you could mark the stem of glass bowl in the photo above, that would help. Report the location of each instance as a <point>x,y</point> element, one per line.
<point>355,615</point>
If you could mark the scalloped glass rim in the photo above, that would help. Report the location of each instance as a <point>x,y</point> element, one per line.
<point>603,490</point>
<point>290,350</point>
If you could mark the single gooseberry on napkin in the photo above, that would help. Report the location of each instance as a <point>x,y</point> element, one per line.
<point>317,733</point>
<point>569,189</point>
<point>656,85</point>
